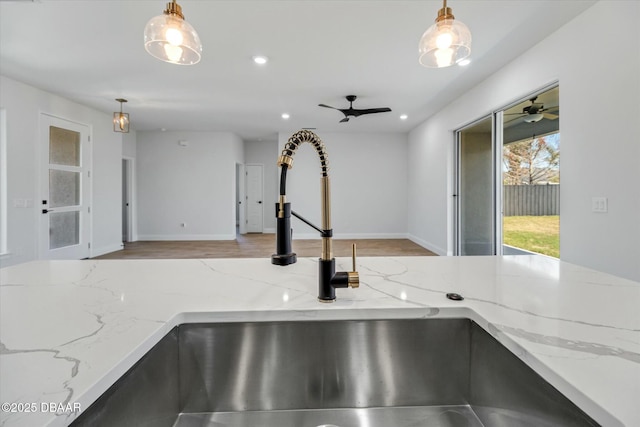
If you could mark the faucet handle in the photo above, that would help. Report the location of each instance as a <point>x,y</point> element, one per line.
<point>353,257</point>
<point>353,276</point>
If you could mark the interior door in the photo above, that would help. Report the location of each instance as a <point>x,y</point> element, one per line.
<point>65,159</point>
<point>255,205</point>
<point>241,198</point>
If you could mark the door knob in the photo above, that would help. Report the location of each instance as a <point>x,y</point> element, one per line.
<point>260,201</point>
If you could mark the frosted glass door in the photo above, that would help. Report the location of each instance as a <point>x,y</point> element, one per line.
<point>64,231</point>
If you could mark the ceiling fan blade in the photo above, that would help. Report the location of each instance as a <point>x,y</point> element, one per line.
<point>550,116</point>
<point>371,111</point>
<point>353,112</point>
<point>513,122</point>
<point>514,114</point>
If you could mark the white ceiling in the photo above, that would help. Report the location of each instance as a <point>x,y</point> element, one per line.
<point>91,51</point>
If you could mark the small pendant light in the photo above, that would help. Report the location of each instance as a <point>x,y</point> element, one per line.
<point>446,42</point>
<point>170,38</point>
<point>121,120</point>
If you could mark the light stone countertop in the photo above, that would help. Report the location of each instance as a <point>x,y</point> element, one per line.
<point>70,329</point>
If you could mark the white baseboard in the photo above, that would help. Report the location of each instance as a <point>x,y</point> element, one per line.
<point>340,236</point>
<point>344,236</point>
<point>186,237</point>
<point>433,248</point>
<point>269,231</point>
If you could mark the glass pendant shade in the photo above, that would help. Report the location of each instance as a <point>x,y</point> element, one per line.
<point>445,43</point>
<point>120,119</point>
<point>170,38</point>
<point>121,122</point>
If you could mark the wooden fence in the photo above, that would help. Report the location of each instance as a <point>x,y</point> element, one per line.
<point>521,200</point>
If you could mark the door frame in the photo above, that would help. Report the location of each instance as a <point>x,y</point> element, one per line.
<point>86,218</point>
<point>498,209</point>
<point>241,201</point>
<point>132,229</point>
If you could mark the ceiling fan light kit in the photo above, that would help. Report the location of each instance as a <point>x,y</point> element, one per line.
<point>170,38</point>
<point>533,118</point>
<point>535,112</point>
<point>445,43</point>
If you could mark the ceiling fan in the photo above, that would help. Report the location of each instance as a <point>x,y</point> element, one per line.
<point>535,112</point>
<point>354,112</point>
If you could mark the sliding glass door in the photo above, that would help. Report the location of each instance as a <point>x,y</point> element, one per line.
<point>475,192</point>
<point>531,175</point>
<point>507,180</point>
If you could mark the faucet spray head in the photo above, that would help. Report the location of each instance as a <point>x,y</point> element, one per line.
<point>285,160</point>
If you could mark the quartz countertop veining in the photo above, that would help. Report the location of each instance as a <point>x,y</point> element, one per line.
<point>70,329</point>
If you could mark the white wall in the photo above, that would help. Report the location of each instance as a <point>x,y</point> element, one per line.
<point>266,153</point>
<point>23,104</point>
<point>129,144</point>
<point>368,185</point>
<point>194,185</point>
<point>597,67</point>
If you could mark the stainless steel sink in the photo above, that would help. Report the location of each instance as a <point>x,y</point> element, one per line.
<point>371,373</point>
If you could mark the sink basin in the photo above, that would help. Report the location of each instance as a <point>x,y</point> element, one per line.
<point>351,373</point>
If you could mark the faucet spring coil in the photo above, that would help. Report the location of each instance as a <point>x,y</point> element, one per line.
<point>307,136</point>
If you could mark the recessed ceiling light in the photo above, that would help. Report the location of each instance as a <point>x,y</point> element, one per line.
<point>285,116</point>
<point>464,62</point>
<point>260,60</point>
<point>404,117</point>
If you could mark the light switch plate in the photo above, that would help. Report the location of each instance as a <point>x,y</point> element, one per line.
<point>599,204</point>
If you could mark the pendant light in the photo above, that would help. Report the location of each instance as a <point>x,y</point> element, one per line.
<point>121,120</point>
<point>170,38</point>
<point>446,42</point>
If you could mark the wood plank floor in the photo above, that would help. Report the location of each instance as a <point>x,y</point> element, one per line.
<point>261,246</point>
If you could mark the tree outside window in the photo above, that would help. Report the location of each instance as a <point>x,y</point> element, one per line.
<point>532,161</point>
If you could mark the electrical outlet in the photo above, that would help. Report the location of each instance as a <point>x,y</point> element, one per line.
<point>599,204</point>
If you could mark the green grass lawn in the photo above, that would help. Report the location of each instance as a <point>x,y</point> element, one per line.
<point>539,234</point>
